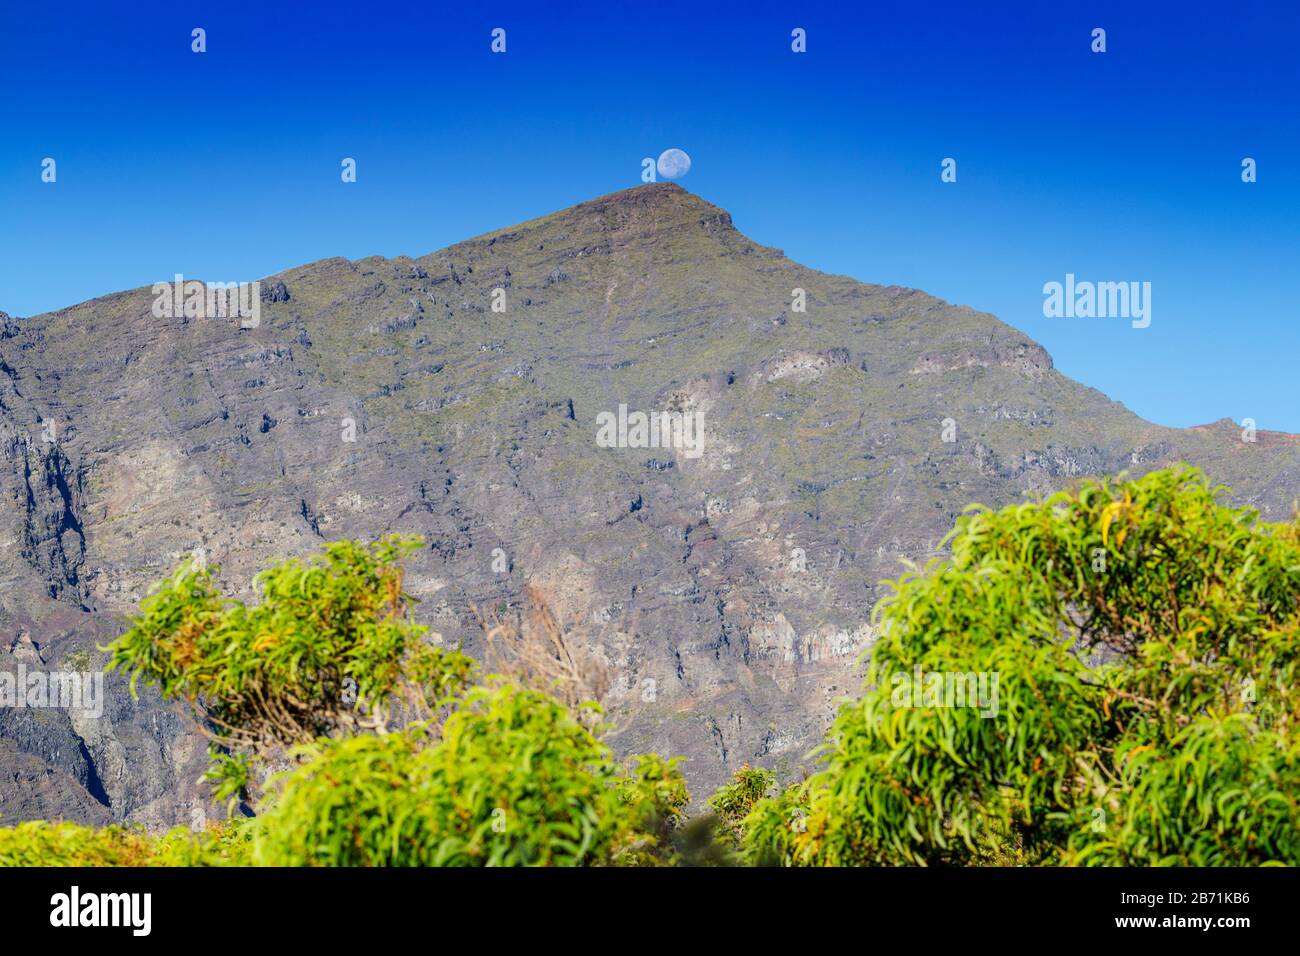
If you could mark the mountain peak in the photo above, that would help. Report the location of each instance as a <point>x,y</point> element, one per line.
<point>379,395</point>
<point>656,194</point>
<point>640,211</point>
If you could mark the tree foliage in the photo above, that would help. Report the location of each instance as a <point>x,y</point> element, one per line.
<point>401,753</point>
<point>1145,641</point>
<point>514,779</point>
<point>331,649</point>
<point>1104,677</point>
<point>45,843</point>
<point>733,802</point>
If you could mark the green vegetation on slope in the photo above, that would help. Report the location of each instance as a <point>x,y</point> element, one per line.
<point>1122,658</point>
<point>1145,639</point>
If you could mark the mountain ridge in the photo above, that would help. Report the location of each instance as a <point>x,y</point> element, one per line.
<point>730,595</point>
<point>665,195</point>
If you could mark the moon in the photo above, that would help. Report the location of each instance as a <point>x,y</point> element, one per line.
<point>674,163</point>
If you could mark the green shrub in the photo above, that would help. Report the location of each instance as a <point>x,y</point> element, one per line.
<point>654,796</point>
<point>733,802</point>
<point>495,774</point>
<point>1145,641</point>
<point>1132,649</point>
<point>42,843</point>
<point>331,650</point>
<point>767,835</point>
<point>514,779</point>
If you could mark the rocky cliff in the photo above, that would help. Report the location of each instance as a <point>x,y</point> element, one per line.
<point>730,592</point>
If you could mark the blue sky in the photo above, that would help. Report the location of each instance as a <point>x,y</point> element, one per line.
<point>1116,166</point>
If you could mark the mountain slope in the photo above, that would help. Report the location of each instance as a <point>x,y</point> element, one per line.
<point>730,593</point>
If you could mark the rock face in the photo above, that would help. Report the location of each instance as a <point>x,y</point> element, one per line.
<point>730,592</point>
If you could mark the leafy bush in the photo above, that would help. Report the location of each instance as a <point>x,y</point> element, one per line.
<point>654,796</point>
<point>514,780</point>
<point>330,650</point>
<point>768,834</point>
<point>1102,678</point>
<point>41,843</point>
<point>495,774</point>
<point>733,802</point>
<point>1144,639</point>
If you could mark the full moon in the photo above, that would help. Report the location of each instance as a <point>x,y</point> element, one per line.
<point>674,163</point>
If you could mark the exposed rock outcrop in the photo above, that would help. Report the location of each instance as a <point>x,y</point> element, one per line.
<point>730,592</point>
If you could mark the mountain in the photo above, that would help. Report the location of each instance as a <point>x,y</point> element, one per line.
<point>730,592</point>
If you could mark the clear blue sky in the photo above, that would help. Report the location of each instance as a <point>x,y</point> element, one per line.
<point>1120,166</point>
